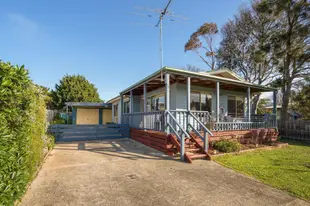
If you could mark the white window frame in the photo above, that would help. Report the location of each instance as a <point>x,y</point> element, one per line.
<point>200,102</point>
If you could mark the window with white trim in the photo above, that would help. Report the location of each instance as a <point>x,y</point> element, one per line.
<point>235,106</point>
<point>156,102</point>
<point>201,101</point>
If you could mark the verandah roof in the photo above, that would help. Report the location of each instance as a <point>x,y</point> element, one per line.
<point>203,79</point>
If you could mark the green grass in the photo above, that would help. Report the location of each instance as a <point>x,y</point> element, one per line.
<point>286,168</point>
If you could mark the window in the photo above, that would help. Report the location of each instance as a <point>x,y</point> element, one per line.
<point>206,102</point>
<point>156,103</point>
<point>235,106</point>
<point>201,101</point>
<point>231,106</point>
<point>126,106</point>
<point>115,110</point>
<point>195,101</point>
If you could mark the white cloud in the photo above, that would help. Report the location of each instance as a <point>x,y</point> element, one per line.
<point>22,24</point>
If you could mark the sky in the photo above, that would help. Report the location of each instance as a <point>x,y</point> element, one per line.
<point>102,40</point>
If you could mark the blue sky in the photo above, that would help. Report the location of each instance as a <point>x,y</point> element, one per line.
<point>99,40</point>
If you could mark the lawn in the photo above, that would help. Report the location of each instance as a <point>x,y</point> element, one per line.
<point>286,168</point>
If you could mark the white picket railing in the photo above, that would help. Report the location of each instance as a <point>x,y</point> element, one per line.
<point>258,122</point>
<point>145,120</point>
<point>157,121</point>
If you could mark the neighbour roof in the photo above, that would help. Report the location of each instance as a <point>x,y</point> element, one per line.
<point>226,73</point>
<point>114,99</point>
<point>88,104</point>
<point>211,76</point>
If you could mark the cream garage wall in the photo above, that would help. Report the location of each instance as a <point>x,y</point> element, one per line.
<point>87,116</point>
<point>106,116</point>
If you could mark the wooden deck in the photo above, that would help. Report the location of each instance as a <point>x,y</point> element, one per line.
<point>155,139</point>
<point>194,145</point>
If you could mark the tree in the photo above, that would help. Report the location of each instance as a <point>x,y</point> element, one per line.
<point>301,100</point>
<point>245,47</point>
<point>207,32</point>
<point>290,42</point>
<point>74,88</point>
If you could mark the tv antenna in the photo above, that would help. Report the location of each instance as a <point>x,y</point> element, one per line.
<point>162,14</point>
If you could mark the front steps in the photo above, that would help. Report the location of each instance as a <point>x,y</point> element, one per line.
<point>193,148</point>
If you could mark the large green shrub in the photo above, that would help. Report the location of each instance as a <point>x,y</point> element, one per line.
<point>22,131</point>
<point>74,88</point>
<point>227,146</point>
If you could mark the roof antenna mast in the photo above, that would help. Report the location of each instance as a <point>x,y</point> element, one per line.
<point>160,24</point>
<point>162,14</point>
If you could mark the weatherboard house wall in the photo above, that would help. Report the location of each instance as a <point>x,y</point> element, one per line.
<point>229,84</point>
<point>178,95</point>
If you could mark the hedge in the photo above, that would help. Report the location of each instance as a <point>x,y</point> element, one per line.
<point>23,141</point>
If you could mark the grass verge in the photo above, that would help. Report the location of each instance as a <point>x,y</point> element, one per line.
<point>287,168</point>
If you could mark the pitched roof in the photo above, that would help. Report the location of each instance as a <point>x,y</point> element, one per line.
<point>205,75</point>
<point>226,73</point>
<point>114,99</point>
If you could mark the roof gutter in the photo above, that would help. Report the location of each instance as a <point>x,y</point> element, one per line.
<point>146,79</point>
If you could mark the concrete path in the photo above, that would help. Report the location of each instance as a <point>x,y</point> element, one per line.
<point>124,172</point>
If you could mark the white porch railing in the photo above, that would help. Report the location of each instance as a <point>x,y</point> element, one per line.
<point>145,120</point>
<point>157,121</point>
<point>257,122</point>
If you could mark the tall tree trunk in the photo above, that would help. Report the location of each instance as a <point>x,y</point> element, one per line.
<point>287,83</point>
<point>285,101</point>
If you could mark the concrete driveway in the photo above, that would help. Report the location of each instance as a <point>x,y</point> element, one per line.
<point>124,172</point>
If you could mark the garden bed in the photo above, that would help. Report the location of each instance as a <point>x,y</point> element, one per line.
<point>250,148</point>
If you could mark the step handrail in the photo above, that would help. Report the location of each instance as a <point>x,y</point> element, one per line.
<point>174,119</point>
<point>206,132</point>
<point>181,137</point>
<point>201,124</point>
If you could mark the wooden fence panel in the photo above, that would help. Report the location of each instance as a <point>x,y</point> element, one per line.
<point>89,132</point>
<point>295,130</point>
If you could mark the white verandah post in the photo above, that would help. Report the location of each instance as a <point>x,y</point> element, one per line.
<point>167,78</point>
<point>131,121</point>
<point>249,104</point>
<point>131,102</point>
<point>122,108</point>
<point>217,102</point>
<point>275,108</point>
<point>188,99</point>
<point>144,103</point>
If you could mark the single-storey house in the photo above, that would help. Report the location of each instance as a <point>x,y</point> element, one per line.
<point>90,113</point>
<point>179,102</point>
<point>291,114</point>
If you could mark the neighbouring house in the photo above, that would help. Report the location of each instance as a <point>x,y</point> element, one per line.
<point>291,114</point>
<point>90,113</point>
<point>189,107</point>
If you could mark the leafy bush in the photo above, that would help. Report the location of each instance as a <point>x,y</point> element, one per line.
<point>227,146</point>
<point>22,127</point>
